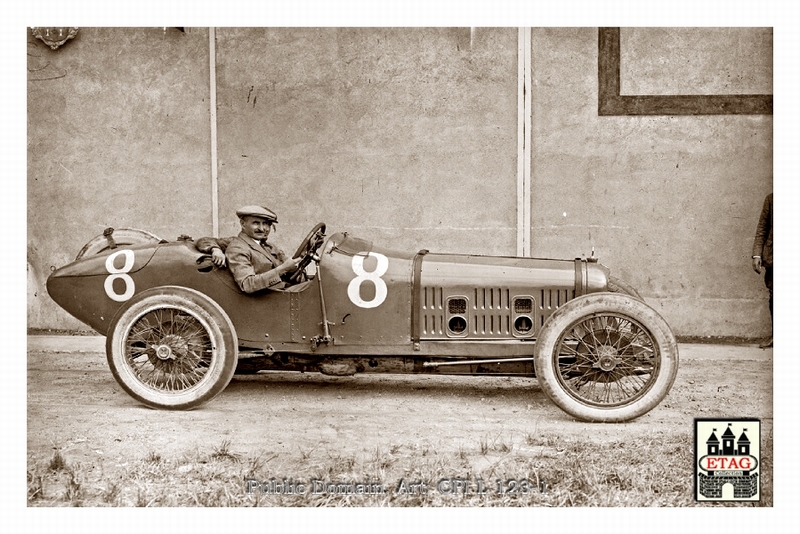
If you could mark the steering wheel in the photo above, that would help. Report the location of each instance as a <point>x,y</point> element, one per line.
<point>306,250</point>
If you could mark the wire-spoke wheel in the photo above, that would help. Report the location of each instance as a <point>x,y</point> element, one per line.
<point>606,357</point>
<point>172,347</point>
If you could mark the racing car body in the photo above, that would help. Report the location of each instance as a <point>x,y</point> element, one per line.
<point>178,327</point>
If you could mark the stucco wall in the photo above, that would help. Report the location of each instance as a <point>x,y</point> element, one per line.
<point>402,136</point>
<point>670,203</point>
<point>118,135</point>
<point>409,137</point>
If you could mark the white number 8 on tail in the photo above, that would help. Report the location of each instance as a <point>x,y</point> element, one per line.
<point>121,274</point>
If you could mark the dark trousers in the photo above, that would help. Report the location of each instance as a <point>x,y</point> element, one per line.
<point>768,282</point>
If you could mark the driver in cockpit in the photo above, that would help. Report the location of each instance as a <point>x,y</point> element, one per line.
<point>255,263</point>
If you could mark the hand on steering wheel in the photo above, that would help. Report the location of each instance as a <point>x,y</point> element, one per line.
<point>308,247</point>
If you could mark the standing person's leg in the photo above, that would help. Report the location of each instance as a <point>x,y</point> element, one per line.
<point>768,282</point>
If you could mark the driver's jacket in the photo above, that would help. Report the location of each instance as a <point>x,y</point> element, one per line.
<point>253,265</point>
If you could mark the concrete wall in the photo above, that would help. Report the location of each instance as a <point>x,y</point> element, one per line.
<point>670,203</point>
<point>403,136</point>
<point>118,135</point>
<point>409,137</point>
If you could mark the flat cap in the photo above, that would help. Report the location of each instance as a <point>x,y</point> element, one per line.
<point>257,211</point>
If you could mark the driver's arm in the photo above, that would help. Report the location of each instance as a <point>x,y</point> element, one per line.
<point>245,272</point>
<point>208,244</point>
<point>214,246</point>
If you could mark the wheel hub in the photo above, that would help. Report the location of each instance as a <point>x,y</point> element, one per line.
<point>171,348</point>
<point>607,358</point>
<point>164,352</point>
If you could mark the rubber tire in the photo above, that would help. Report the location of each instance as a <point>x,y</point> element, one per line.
<point>580,308</point>
<point>217,326</point>
<point>122,237</point>
<point>618,286</point>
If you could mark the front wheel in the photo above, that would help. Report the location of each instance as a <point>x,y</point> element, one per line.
<point>172,347</point>
<point>606,357</point>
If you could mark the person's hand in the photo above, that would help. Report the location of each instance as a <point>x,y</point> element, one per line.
<point>757,264</point>
<point>218,257</point>
<point>289,265</point>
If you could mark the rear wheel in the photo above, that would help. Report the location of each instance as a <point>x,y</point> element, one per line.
<point>172,347</point>
<point>606,357</point>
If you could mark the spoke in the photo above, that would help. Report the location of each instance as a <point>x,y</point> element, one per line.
<point>632,367</point>
<point>158,316</point>
<point>596,342</point>
<point>567,372</point>
<point>574,352</point>
<point>581,362</point>
<point>186,337</point>
<point>143,330</point>
<point>639,338</point>
<point>620,337</point>
<point>196,333</point>
<point>198,358</point>
<point>184,381</point>
<point>137,351</point>
<point>621,385</point>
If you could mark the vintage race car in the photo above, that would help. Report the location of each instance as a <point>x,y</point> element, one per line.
<point>178,328</point>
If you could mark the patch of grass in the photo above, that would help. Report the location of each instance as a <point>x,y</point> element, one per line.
<point>35,487</point>
<point>141,498</point>
<point>57,462</point>
<point>382,460</point>
<point>255,465</point>
<point>502,446</point>
<point>74,492</point>
<point>538,440</point>
<point>223,452</point>
<point>305,455</point>
<point>531,470</point>
<point>111,493</point>
<point>497,444</point>
<point>342,464</point>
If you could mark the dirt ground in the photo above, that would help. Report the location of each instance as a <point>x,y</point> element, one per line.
<point>76,407</point>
